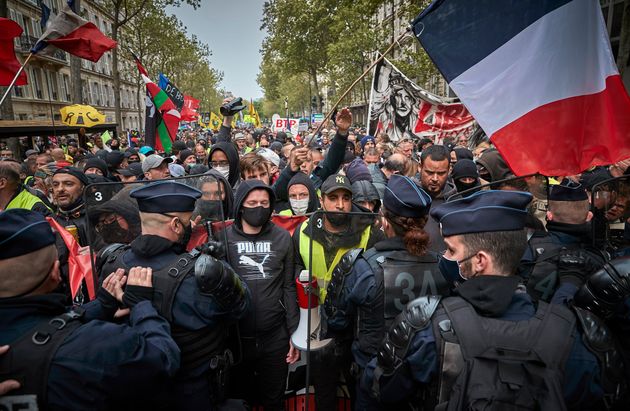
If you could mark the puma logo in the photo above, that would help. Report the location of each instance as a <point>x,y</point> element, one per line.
<point>248,261</point>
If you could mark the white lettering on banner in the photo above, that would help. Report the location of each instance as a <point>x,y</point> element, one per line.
<point>280,124</point>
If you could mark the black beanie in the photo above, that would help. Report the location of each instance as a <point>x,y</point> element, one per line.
<point>96,162</point>
<point>465,168</point>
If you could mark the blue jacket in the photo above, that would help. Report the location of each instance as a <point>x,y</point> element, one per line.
<point>100,365</point>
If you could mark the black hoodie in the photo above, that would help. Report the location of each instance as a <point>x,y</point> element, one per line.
<point>301,178</point>
<point>265,262</point>
<point>232,155</point>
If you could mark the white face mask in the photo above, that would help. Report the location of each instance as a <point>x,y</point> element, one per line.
<point>224,170</point>
<point>299,206</point>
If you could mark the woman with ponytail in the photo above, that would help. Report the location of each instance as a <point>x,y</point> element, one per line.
<point>369,294</point>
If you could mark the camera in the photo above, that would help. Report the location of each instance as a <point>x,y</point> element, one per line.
<point>233,107</point>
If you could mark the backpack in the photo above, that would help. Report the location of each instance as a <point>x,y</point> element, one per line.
<point>492,364</point>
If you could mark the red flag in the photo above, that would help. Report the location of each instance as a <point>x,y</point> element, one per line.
<point>10,64</point>
<point>79,261</point>
<point>72,33</point>
<point>189,111</point>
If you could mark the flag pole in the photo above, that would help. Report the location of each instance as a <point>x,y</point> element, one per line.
<point>365,73</point>
<point>6,93</point>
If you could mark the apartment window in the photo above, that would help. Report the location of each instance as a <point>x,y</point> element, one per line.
<point>53,85</point>
<point>36,83</point>
<point>96,93</point>
<point>65,87</point>
<point>85,89</point>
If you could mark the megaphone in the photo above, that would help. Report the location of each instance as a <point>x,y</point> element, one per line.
<point>300,337</point>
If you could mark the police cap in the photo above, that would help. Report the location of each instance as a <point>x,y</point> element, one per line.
<point>22,232</point>
<point>404,197</point>
<point>568,190</point>
<point>165,197</point>
<point>484,211</point>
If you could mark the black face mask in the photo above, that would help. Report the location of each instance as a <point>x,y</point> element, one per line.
<point>463,186</point>
<point>256,216</point>
<point>338,219</point>
<point>114,233</point>
<point>209,210</point>
<point>180,246</point>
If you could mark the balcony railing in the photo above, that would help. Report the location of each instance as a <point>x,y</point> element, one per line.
<point>27,42</point>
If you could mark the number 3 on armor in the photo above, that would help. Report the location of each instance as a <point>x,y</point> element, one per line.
<point>406,291</point>
<point>98,196</point>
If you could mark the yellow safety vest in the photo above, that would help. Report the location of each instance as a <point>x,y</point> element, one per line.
<point>286,212</point>
<point>320,271</point>
<point>24,200</point>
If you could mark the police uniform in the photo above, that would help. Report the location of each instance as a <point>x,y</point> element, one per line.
<point>382,281</point>
<point>437,344</point>
<point>75,360</point>
<point>561,245</point>
<point>200,296</point>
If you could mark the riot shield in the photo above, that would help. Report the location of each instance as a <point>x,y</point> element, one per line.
<point>113,215</point>
<point>535,184</point>
<point>610,205</point>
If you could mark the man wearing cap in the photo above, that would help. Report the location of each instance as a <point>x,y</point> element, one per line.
<point>564,254</point>
<point>489,324</point>
<point>155,167</point>
<point>329,236</point>
<point>14,194</point>
<point>68,184</point>
<point>385,278</point>
<point>199,295</point>
<point>118,366</point>
<point>132,173</point>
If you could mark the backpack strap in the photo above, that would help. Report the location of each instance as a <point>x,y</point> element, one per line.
<point>167,281</point>
<point>337,280</point>
<point>29,359</point>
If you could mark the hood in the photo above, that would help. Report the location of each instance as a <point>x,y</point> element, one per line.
<point>228,202</point>
<point>243,191</point>
<point>365,191</point>
<point>301,178</point>
<point>232,155</point>
<point>494,163</point>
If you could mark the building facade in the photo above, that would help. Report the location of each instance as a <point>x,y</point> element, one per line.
<point>50,81</point>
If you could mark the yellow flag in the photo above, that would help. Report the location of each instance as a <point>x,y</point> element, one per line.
<point>254,114</point>
<point>215,121</point>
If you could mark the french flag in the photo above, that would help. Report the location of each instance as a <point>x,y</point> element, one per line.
<point>538,76</point>
<point>72,33</point>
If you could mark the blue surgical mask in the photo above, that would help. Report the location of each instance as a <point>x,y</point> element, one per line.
<point>450,270</point>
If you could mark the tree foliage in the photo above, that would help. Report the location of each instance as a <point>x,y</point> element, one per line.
<point>163,45</point>
<point>332,42</point>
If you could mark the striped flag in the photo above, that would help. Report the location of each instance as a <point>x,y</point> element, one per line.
<point>538,76</point>
<point>168,118</point>
<point>72,33</point>
<point>10,64</point>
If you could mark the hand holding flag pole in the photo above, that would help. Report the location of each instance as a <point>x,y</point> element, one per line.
<point>404,36</point>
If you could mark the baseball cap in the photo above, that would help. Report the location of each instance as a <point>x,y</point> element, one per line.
<point>154,161</point>
<point>336,182</point>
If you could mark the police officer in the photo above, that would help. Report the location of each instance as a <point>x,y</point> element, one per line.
<point>386,277</point>
<point>199,295</point>
<point>75,360</point>
<point>463,349</point>
<point>565,246</point>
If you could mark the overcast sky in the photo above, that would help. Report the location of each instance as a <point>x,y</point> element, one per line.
<point>232,30</point>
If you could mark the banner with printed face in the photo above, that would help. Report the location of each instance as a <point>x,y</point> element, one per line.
<point>402,109</point>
